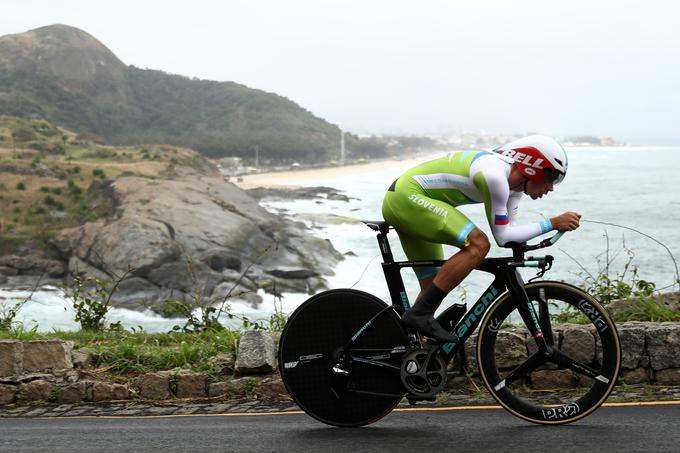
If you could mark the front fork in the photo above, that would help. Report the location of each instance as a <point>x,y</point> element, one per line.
<point>539,326</point>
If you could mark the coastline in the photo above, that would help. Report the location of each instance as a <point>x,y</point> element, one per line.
<point>291,179</point>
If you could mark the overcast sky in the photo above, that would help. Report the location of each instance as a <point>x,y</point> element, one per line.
<point>386,66</point>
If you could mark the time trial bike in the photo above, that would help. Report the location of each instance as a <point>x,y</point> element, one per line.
<point>347,360</point>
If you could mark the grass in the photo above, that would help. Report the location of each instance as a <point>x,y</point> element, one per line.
<point>44,192</point>
<point>132,353</point>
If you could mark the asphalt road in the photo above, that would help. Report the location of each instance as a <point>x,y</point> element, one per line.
<point>617,429</point>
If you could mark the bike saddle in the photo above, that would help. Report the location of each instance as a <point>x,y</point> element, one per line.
<point>377,225</point>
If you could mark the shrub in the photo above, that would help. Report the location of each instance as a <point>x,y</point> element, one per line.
<point>23,134</point>
<point>21,186</point>
<point>92,300</point>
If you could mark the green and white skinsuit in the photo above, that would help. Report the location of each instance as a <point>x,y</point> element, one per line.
<point>421,205</point>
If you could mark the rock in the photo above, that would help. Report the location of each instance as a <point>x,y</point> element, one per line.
<point>47,354</point>
<point>7,393</point>
<point>65,376</point>
<point>32,262</point>
<point>272,388</point>
<point>276,338</point>
<point>39,390</point>
<point>179,275</point>
<point>511,349</point>
<point>218,260</point>
<point>120,392</point>
<point>142,243</point>
<point>669,376</point>
<point>53,268</point>
<point>256,353</point>
<point>102,391</point>
<point>77,241</point>
<point>295,273</point>
<point>216,389</point>
<point>105,391</point>
<point>8,271</point>
<point>635,376</point>
<point>663,344</point>
<point>136,293</point>
<point>154,386</point>
<point>234,388</point>
<point>78,267</point>
<point>19,263</point>
<point>175,275</point>
<point>546,379</point>
<point>191,385</point>
<point>74,393</point>
<point>11,355</point>
<point>297,193</point>
<point>470,347</point>
<point>632,344</point>
<point>80,357</point>
<point>160,223</point>
<point>240,292</point>
<point>578,343</point>
<point>223,362</point>
<point>3,279</point>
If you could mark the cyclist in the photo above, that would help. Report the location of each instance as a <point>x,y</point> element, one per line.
<point>421,205</point>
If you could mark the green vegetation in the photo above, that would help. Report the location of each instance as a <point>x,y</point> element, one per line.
<point>44,192</point>
<point>125,352</point>
<point>92,300</point>
<point>126,105</point>
<point>624,294</point>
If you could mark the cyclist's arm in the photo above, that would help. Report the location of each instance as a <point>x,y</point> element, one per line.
<point>513,206</point>
<point>494,187</point>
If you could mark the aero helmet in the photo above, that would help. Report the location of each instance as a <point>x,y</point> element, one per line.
<point>537,157</point>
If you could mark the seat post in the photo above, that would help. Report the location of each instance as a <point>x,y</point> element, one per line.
<point>384,245</point>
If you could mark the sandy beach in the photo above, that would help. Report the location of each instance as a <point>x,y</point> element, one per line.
<point>293,178</point>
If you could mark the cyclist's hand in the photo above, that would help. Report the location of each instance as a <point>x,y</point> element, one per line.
<point>568,221</point>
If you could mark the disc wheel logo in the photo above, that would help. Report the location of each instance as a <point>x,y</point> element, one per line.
<point>411,367</point>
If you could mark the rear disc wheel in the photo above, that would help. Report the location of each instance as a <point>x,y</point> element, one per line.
<point>313,341</point>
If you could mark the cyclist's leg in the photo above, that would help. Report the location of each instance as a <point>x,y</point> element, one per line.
<point>459,266</point>
<point>423,223</point>
<point>418,249</point>
<point>421,220</point>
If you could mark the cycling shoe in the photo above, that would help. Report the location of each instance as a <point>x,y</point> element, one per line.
<point>427,325</point>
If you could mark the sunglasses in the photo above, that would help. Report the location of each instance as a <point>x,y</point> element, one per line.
<point>552,176</point>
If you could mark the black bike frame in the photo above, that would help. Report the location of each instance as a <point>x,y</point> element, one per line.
<point>507,277</point>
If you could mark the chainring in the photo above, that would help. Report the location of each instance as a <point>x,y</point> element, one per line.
<point>423,372</point>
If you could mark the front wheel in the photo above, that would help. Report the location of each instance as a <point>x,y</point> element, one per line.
<point>569,381</point>
<point>367,386</point>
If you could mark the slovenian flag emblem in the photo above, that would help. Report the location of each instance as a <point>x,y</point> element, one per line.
<point>501,218</point>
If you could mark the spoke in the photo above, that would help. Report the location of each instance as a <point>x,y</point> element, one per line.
<point>537,359</point>
<point>564,360</point>
<point>544,318</point>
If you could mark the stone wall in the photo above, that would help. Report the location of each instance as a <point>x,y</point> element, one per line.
<point>650,351</point>
<point>52,371</point>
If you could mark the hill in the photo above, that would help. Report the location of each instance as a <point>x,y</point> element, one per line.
<point>51,178</point>
<point>64,75</point>
<point>70,207</point>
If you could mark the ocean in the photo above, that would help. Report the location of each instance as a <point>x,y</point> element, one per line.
<point>631,188</point>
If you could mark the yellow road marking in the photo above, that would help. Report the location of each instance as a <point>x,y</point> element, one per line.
<point>401,409</point>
